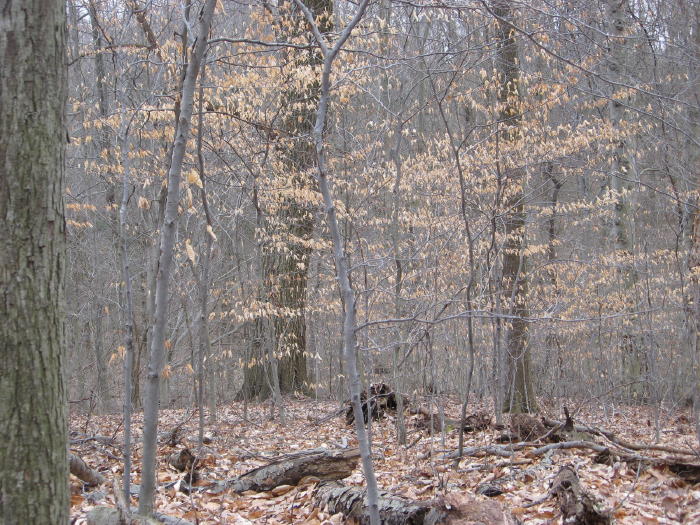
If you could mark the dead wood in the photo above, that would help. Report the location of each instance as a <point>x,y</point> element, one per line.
<point>376,402</point>
<point>182,460</point>
<point>577,506</point>
<point>610,436</point>
<point>104,515</point>
<point>79,469</point>
<point>681,467</point>
<point>319,463</point>
<point>453,509</point>
<point>350,501</point>
<point>526,427</point>
<point>477,421</point>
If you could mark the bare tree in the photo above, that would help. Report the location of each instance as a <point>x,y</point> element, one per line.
<point>167,241</point>
<point>339,255</point>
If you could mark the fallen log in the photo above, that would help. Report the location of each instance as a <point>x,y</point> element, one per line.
<point>610,436</point>
<point>79,469</point>
<point>577,506</point>
<point>350,501</point>
<point>395,510</point>
<point>319,463</point>
<point>681,467</point>
<point>105,515</point>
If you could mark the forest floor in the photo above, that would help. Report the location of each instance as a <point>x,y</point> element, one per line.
<point>419,470</point>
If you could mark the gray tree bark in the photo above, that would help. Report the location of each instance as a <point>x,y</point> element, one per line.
<point>167,241</point>
<point>33,455</point>
<point>339,255</point>
<point>128,405</point>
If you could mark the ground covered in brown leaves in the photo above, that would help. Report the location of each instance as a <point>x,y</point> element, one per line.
<point>419,470</point>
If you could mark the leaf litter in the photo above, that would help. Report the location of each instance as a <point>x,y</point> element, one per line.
<point>420,470</point>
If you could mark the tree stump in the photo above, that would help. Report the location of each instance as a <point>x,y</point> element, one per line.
<point>577,506</point>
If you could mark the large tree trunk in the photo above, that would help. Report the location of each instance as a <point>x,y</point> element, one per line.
<point>618,23</point>
<point>33,461</point>
<point>520,396</point>
<point>167,241</point>
<point>285,271</point>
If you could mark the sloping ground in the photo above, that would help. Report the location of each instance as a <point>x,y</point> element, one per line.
<point>419,471</point>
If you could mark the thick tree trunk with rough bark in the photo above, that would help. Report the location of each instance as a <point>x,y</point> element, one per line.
<point>285,271</point>
<point>33,455</point>
<point>618,27</point>
<point>520,396</point>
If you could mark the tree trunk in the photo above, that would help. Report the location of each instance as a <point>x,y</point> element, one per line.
<point>694,259</point>
<point>520,396</point>
<point>285,271</point>
<point>128,299</point>
<point>33,456</point>
<point>339,254</point>
<point>103,151</point>
<point>623,224</point>
<point>167,241</point>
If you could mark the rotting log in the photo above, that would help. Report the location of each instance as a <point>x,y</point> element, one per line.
<point>79,469</point>
<point>395,510</point>
<point>320,463</point>
<point>577,506</point>
<point>351,502</point>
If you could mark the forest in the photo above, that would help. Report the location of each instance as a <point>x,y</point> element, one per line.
<point>350,261</point>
